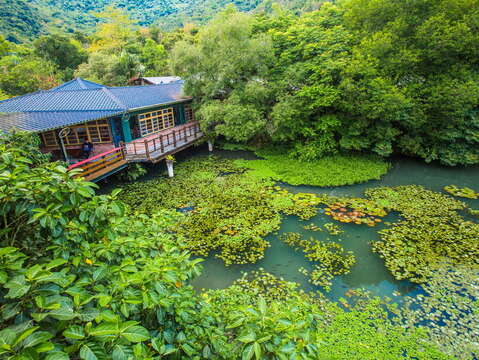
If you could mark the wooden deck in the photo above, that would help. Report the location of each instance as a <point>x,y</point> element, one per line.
<point>156,147</point>
<point>102,165</point>
<point>153,148</point>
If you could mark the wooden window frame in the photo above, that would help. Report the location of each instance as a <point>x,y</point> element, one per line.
<point>156,121</point>
<point>45,142</point>
<point>189,114</point>
<point>89,127</point>
<point>73,139</point>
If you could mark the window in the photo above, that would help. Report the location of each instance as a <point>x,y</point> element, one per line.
<point>98,132</point>
<point>49,138</point>
<point>189,113</point>
<point>156,121</point>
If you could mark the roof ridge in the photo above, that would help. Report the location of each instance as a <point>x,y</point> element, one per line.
<point>81,83</point>
<point>114,98</point>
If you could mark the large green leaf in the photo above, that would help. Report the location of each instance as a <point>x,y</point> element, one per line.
<point>64,313</point>
<point>136,334</point>
<point>105,329</point>
<point>74,332</point>
<point>17,287</point>
<point>86,353</point>
<point>57,355</point>
<point>248,353</point>
<point>36,339</point>
<point>247,338</point>
<point>121,353</point>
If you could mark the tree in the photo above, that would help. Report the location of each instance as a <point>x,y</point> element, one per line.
<point>154,58</point>
<point>114,31</point>
<point>65,53</point>
<point>23,75</point>
<point>112,70</point>
<point>226,60</point>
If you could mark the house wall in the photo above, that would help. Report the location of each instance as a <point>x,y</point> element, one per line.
<point>133,123</point>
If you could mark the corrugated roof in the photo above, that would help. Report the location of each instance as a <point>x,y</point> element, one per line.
<point>77,84</point>
<point>142,96</point>
<point>59,107</point>
<point>49,120</point>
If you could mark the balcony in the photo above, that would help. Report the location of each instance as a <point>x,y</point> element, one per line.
<point>155,147</point>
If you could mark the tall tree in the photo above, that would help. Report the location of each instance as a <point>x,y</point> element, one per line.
<point>114,31</point>
<point>64,52</point>
<point>225,69</point>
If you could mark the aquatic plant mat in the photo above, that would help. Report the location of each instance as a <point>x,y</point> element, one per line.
<point>334,170</point>
<point>227,211</point>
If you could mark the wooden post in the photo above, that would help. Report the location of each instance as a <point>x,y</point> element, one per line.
<point>174,139</point>
<point>196,132</point>
<point>147,149</point>
<point>154,144</point>
<point>210,146</point>
<point>161,144</point>
<point>186,136</point>
<point>134,146</point>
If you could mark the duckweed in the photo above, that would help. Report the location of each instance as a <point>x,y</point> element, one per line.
<point>461,192</point>
<point>330,258</point>
<point>230,213</point>
<point>430,232</point>
<point>333,229</point>
<point>312,227</point>
<point>335,170</point>
<point>448,308</point>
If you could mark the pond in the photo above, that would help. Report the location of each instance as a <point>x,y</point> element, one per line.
<point>369,271</point>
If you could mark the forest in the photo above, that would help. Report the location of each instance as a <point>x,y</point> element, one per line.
<point>357,76</point>
<point>22,21</point>
<point>356,117</point>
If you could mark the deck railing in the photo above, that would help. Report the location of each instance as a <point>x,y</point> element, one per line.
<point>164,142</point>
<point>101,164</point>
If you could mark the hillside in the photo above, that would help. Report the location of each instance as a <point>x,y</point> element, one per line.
<point>22,20</point>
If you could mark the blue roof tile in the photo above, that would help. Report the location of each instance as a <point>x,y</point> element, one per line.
<point>67,105</point>
<point>49,120</point>
<point>77,84</point>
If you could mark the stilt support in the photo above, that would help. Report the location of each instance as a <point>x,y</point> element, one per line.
<point>169,166</point>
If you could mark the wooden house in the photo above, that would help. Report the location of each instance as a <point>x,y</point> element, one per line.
<point>124,124</point>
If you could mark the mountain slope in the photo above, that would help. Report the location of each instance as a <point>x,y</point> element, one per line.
<point>22,20</point>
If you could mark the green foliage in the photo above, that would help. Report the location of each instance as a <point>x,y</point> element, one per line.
<point>328,171</point>
<point>356,75</point>
<point>448,306</point>
<point>23,75</point>
<point>431,232</point>
<point>310,327</point>
<point>330,258</point>
<point>225,211</point>
<point>82,279</point>
<point>461,192</point>
<point>62,51</point>
<point>89,281</point>
<point>231,59</point>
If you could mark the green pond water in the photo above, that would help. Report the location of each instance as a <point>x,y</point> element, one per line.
<point>369,271</point>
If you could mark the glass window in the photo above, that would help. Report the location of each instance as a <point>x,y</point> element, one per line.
<point>156,121</point>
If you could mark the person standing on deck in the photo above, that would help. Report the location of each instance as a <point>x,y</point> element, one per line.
<point>87,149</point>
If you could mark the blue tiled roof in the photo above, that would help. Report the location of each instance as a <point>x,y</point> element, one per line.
<point>49,120</point>
<point>142,96</point>
<point>65,105</point>
<point>77,84</point>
